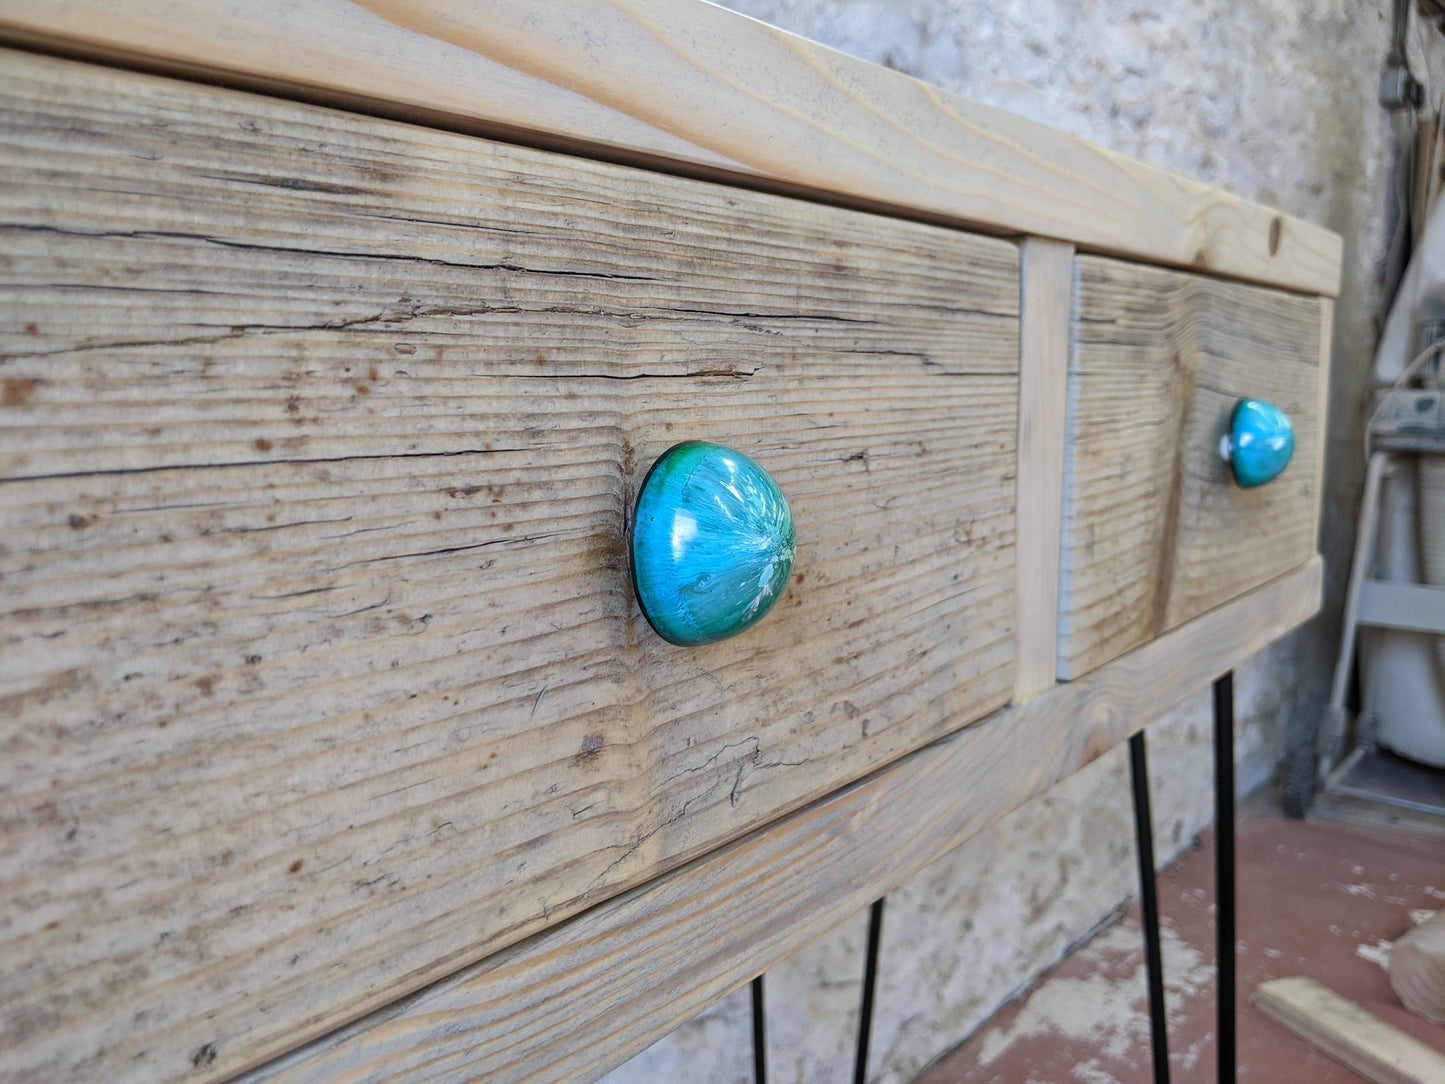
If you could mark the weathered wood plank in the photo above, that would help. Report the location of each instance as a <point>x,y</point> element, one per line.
<point>688,86</point>
<point>1377,1051</point>
<point>1047,294</point>
<point>1154,531</point>
<point>320,669</point>
<point>627,972</point>
<point>1322,405</point>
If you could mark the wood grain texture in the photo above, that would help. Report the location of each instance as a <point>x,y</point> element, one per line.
<point>1047,293</point>
<point>1322,407</point>
<point>320,669</point>
<point>1155,533</point>
<point>1377,1051</point>
<point>683,85</point>
<point>626,973</point>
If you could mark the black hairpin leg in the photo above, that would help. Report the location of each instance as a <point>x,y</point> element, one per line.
<point>1224,871</point>
<point>1149,907</point>
<point>760,1042</point>
<point>870,985</point>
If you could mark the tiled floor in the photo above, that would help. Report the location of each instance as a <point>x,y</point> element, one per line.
<point>1317,899</point>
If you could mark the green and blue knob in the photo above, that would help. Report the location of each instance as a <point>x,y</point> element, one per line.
<point>1259,443</point>
<point>711,544</point>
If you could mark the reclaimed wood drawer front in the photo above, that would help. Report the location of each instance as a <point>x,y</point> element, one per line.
<point>321,671</point>
<point>1154,532</point>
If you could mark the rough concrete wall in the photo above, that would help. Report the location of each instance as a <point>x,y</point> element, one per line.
<point>1274,100</point>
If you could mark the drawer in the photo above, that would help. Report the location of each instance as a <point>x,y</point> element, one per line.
<point>1154,531</point>
<point>322,673</point>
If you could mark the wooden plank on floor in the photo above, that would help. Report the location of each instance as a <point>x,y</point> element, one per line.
<point>688,86</point>
<point>1046,299</point>
<point>1377,1051</point>
<point>626,973</point>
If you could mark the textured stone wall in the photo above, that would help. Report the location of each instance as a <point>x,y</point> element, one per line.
<point>1274,100</point>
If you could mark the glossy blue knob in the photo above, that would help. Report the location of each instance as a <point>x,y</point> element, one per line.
<point>712,544</point>
<point>1259,443</point>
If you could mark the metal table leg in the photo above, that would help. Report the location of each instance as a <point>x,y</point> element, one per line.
<point>1149,908</point>
<point>1224,871</point>
<point>760,1041</point>
<point>870,987</point>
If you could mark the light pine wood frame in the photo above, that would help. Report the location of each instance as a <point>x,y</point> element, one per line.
<point>1322,409</point>
<point>760,109</point>
<point>686,86</point>
<point>1047,300</point>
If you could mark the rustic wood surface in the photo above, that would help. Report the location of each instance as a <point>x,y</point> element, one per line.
<point>1322,409</point>
<point>1155,533</point>
<point>1047,292</point>
<point>1379,1052</point>
<point>320,670</point>
<point>687,86</point>
<point>627,972</point>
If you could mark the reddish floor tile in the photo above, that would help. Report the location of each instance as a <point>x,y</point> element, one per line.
<point>1323,900</point>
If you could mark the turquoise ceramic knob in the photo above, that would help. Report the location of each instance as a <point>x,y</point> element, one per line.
<point>712,544</point>
<point>1259,443</point>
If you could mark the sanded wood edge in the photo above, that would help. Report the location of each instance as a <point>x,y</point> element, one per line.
<point>724,96</point>
<point>1347,1033</point>
<point>1322,412</point>
<point>580,999</point>
<point>1046,272</point>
